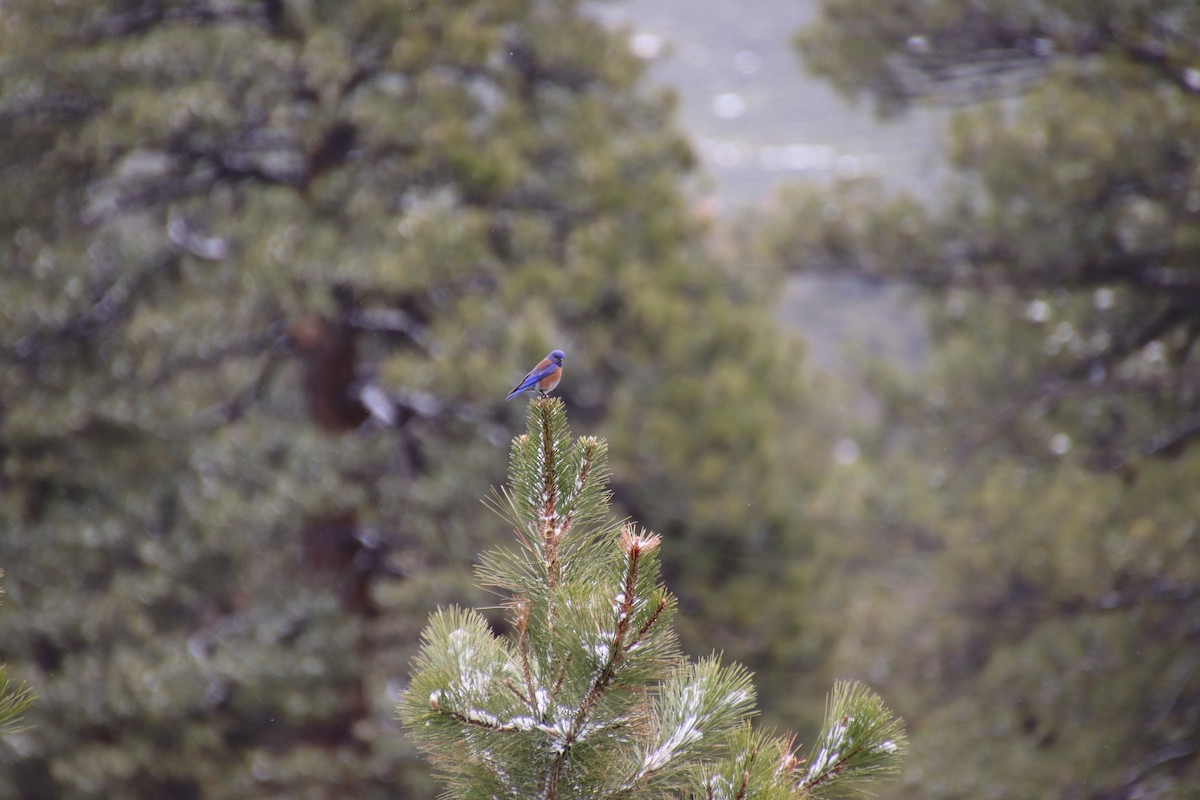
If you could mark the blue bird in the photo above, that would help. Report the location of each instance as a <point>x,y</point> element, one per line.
<point>542,378</point>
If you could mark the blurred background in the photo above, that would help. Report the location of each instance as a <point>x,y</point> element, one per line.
<point>889,313</point>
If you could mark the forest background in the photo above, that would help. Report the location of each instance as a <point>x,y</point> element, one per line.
<point>270,267</point>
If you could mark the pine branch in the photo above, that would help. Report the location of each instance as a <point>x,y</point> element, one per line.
<point>761,767</point>
<point>14,701</point>
<point>696,705</point>
<point>860,739</point>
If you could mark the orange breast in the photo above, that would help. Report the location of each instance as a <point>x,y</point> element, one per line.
<point>550,381</point>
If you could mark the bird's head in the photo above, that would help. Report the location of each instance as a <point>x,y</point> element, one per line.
<point>556,356</point>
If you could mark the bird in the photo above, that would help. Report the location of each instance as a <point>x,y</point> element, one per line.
<point>542,378</point>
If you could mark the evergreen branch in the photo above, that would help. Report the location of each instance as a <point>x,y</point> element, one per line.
<point>551,532</point>
<point>501,568</point>
<point>477,718</point>
<point>759,766</point>
<point>521,723</point>
<point>634,547</point>
<point>562,674</point>
<point>641,632</point>
<point>714,792</point>
<point>705,702</point>
<point>585,467</point>
<point>523,649</point>
<point>14,701</point>
<point>860,739</point>
<point>586,497</point>
<point>512,687</point>
<point>787,762</point>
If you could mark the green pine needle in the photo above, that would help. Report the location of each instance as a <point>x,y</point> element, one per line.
<point>861,739</point>
<point>14,701</point>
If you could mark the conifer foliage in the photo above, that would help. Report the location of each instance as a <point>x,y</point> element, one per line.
<point>590,695</point>
<point>15,699</point>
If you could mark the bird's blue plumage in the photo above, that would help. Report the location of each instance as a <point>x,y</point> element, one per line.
<point>542,378</point>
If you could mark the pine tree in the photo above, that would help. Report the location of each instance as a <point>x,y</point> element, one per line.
<point>590,696</point>
<point>221,223</point>
<point>1025,507</point>
<point>1076,218</point>
<point>15,700</point>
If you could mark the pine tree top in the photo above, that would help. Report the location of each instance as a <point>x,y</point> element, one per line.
<point>590,696</point>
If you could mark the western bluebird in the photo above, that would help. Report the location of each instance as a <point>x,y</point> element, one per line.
<point>542,378</point>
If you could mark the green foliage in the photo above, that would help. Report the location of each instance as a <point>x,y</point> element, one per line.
<point>860,741</point>
<point>917,49</point>
<point>15,700</point>
<point>1080,218</point>
<point>1024,618</point>
<point>591,697</point>
<point>1029,494</point>
<point>219,223</point>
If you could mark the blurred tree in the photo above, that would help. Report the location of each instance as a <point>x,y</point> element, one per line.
<point>1030,495</point>
<point>268,269</point>
<point>1084,219</point>
<point>1035,625</point>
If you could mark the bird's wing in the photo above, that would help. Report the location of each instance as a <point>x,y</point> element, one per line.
<point>540,371</point>
<point>536,374</point>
